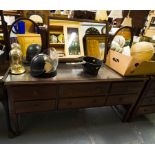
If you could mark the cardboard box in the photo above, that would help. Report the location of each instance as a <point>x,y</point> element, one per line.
<point>129,66</point>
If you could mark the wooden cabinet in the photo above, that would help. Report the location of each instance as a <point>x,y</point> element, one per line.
<point>65,36</point>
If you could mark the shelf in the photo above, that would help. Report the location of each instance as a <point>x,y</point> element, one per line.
<point>55,32</point>
<point>57,44</point>
<point>78,20</point>
<point>11,13</point>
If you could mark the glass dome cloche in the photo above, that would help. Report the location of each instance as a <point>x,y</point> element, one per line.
<point>45,65</point>
<point>16,66</point>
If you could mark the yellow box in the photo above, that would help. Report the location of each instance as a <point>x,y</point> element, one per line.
<point>26,39</point>
<point>128,65</point>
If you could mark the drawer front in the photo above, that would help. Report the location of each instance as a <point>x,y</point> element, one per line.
<point>33,92</point>
<point>148,101</point>
<point>146,110</point>
<point>81,102</point>
<point>150,92</point>
<point>77,90</point>
<point>121,99</point>
<point>34,106</point>
<point>152,84</point>
<point>126,87</point>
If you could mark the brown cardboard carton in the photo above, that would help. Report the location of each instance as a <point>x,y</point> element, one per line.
<point>128,65</point>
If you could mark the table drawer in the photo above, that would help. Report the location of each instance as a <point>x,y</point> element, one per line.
<point>32,92</point>
<point>149,93</point>
<point>121,99</point>
<point>146,109</point>
<point>77,90</point>
<point>34,106</point>
<point>148,101</point>
<point>81,102</point>
<point>152,84</point>
<point>126,87</point>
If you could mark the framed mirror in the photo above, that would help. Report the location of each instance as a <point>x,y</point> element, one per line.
<point>95,40</point>
<point>26,33</point>
<point>127,33</point>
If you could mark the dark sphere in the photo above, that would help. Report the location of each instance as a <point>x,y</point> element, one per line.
<point>42,66</point>
<point>32,50</point>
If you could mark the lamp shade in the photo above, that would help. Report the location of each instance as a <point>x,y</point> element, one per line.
<point>101,15</point>
<point>116,14</point>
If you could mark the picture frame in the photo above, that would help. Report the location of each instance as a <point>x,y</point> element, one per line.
<point>150,26</point>
<point>73,41</point>
<point>95,46</point>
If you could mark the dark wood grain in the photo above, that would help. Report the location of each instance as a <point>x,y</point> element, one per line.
<point>35,106</point>
<point>32,92</point>
<point>76,90</point>
<point>69,73</point>
<point>121,99</point>
<point>145,110</point>
<point>126,87</point>
<point>85,102</point>
<point>146,103</point>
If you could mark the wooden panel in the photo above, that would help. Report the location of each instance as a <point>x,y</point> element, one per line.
<point>33,106</point>
<point>81,102</point>
<point>149,101</point>
<point>77,90</point>
<point>150,92</point>
<point>121,99</point>
<point>33,92</point>
<point>151,89</point>
<point>146,109</point>
<point>126,87</point>
<point>1,90</point>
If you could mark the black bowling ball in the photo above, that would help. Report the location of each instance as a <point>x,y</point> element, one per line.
<point>32,50</point>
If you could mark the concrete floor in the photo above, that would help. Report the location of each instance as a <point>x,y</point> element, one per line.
<point>94,125</point>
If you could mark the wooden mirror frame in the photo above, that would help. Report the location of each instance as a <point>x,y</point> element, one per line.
<point>124,27</point>
<point>35,25</point>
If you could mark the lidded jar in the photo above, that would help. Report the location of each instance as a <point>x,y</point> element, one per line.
<point>16,65</point>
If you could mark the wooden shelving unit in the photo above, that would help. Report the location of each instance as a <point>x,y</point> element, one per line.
<point>70,46</point>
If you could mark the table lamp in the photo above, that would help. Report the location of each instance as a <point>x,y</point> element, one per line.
<point>101,15</point>
<point>116,14</point>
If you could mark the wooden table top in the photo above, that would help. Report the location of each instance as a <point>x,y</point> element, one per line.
<point>67,73</point>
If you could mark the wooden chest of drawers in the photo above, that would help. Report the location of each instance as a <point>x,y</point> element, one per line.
<point>70,89</point>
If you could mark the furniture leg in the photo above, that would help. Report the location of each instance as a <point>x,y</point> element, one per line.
<point>14,123</point>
